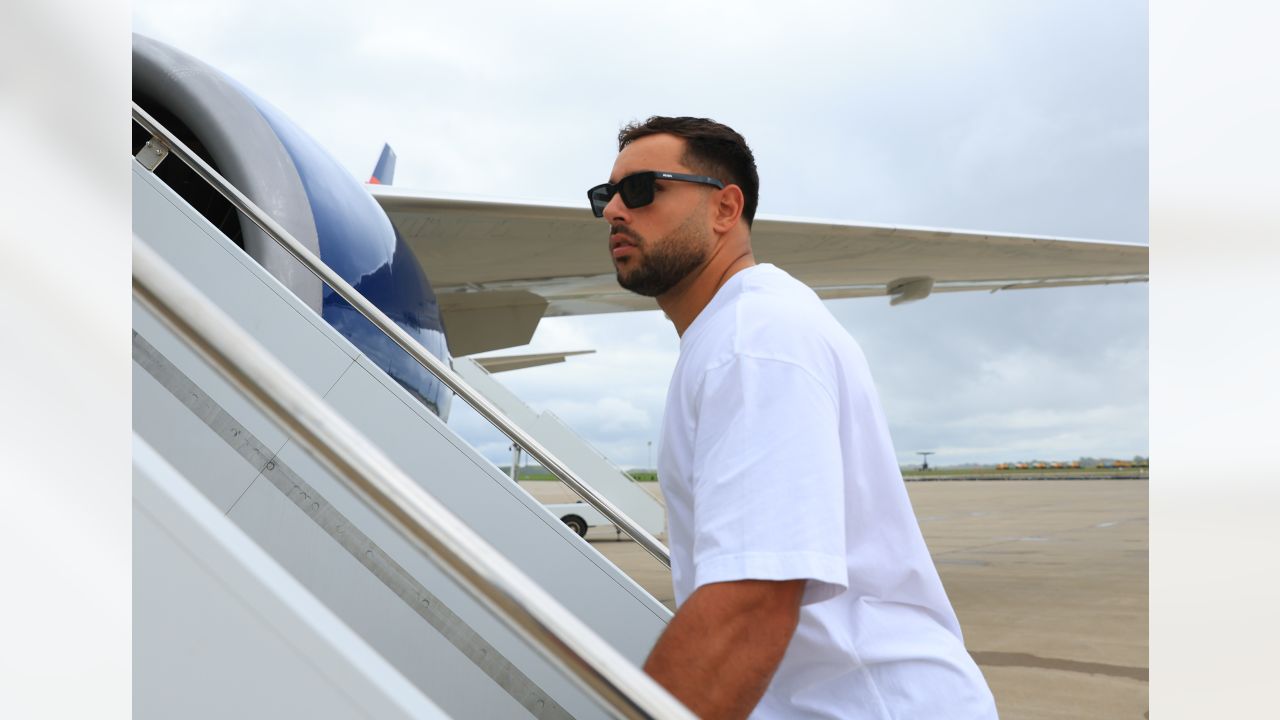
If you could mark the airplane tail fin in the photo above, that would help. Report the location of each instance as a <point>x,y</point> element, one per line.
<point>384,172</point>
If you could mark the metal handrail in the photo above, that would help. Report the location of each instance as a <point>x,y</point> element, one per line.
<point>406,341</point>
<point>485,573</point>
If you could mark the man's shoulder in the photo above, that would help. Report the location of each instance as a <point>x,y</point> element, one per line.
<point>770,316</point>
<point>781,315</point>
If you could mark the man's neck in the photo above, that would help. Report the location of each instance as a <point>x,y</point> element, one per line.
<point>684,302</point>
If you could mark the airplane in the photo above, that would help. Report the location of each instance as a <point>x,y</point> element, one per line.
<point>466,275</point>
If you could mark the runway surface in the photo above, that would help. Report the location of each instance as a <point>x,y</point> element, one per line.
<point>1048,577</point>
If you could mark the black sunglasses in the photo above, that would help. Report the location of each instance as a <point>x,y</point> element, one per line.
<point>637,189</point>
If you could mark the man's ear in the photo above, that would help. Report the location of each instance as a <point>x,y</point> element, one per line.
<point>728,208</point>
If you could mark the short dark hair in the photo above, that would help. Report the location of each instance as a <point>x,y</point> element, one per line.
<point>710,149</point>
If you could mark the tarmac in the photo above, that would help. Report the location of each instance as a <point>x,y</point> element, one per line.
<point>1048,578</point>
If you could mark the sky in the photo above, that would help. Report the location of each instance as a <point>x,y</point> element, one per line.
<point>1026,118</point>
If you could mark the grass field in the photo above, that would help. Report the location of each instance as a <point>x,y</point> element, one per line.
<point>637,475</point>
<point>939,474</point>
<point>1027,473</point>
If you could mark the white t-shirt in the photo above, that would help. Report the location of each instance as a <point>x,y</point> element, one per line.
<point>776,464</point>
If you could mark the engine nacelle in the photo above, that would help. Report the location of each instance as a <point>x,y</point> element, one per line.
<point>295,181</point>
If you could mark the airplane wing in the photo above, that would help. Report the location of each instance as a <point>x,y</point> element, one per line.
<point>502,363</point>
<point>515,262</point>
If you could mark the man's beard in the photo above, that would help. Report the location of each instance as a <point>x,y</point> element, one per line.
<point>660,268</point>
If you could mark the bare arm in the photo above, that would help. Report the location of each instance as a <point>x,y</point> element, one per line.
<point>724,644</point>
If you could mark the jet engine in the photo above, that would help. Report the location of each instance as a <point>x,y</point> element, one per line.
<point>295,181</point>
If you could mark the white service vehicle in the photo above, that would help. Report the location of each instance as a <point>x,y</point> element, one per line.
<point>579,516</point>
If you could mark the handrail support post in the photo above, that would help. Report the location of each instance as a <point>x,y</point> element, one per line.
<point>153,153</point>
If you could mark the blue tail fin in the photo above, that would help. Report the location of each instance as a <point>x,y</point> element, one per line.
<point>385,171</point>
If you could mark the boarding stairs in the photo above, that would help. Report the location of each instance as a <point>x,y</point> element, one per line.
<point>321,544</point>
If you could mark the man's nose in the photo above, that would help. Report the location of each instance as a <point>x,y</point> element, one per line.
<point>616,211</point>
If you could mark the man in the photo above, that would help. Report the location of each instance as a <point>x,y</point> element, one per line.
<point>803,584</point>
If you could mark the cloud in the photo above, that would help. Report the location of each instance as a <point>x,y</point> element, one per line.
<point>1064,370</point>
<point>1024,118</point>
